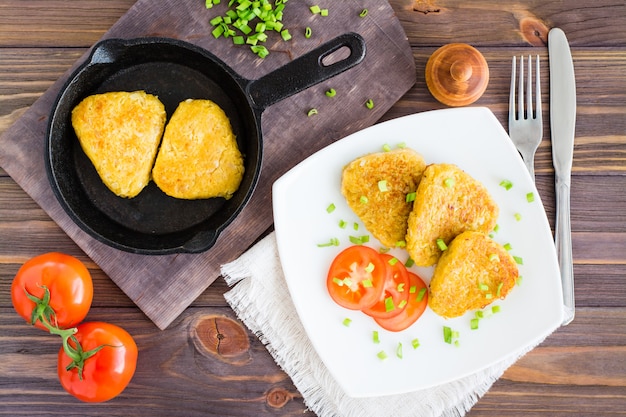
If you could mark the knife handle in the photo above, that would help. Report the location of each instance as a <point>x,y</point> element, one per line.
<point>563,242</point>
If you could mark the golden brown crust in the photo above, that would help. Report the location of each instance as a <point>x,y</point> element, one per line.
<point>472,273</point>
<point>199,157</point>
<point>448,202</point>
<point>385,213</point>
<point>120,133</point>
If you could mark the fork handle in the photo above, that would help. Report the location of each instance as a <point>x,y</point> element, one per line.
<point>563,243</point>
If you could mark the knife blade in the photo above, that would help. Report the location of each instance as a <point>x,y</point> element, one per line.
<point>562,127</point>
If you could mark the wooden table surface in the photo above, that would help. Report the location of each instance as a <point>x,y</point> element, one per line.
<point>579,370</point>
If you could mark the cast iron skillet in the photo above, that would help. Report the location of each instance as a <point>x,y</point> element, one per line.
<point>152,222</point>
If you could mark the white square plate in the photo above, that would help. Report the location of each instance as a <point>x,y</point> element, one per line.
<point>473,139</point>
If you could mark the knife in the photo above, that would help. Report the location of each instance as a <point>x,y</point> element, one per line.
<point>562,125</point>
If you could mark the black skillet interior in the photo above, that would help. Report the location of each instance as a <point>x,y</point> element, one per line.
<point>152,222</point>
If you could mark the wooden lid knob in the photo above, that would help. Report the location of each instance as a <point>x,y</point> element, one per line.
<point>457,74</point>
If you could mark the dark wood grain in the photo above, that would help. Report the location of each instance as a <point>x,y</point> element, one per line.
<point>577,371</point>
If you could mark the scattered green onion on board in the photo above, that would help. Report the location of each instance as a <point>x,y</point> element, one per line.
<point>331,92</point>
<point>363,13</point>
<point>311,112</point>
<point>369,104</point>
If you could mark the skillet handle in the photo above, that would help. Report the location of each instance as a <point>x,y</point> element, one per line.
<point>306,71</point>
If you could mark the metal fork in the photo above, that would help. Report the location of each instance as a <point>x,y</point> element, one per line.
<point>526,128</point>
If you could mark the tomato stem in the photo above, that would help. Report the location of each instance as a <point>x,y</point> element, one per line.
<point>46,314</point>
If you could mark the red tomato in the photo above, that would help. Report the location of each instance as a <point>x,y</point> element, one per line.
<point>68,281</point>
<point>108,371</point>
<point>356,277</point>
<point>413,309</point>
<point>396,290</point>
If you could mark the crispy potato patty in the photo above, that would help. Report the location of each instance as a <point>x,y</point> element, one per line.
<point>375,187</point>
<point>448,202</point>
<point>473,272</point>
<point>199,157</point>
<point>120,133</point>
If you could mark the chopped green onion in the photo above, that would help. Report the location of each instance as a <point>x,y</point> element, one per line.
<point>338,281</point>
<point>389,305</point>
<point>285,34</point>
<point>239,40</point>
<point>324,12</point>
<point>421,294</point>
<point>343,224</point>
<point>518,260</point>
<point>494,257</point>
<point>386,147</point>
<point>333,242</point>
<point>518,216</point>
<point>474,324</point>
<point>409,262</point>
<point>347,282</point>
<point>410,197</point>
<point>308,32</point>
<point>449,182</point>
<point>393,261</point>
<point>315,9</point>
<point>415,343</point>
<point>382,355</point>
<point>331,207</point>
<point>383,249</point>
<point>400,287</point>
<point>347,321</point>
<point>506,184</point>
<point>370,267</point>
<point>530,197</point>
<point>495,309</point>
<point>399,350</point>
<point>363,199</point>
<point>413,289</point>
<point>359,240</point>
<point>441,245</point>
<point>447,334</point>
<point>401,145</point>
<point>483,287</point>
<point>489,296</point>
<point>311,112</point>
<point>499,290</point>
<point>518,281</point>
<point>363,13</point>
<point>369,104</point>
<point>331,92</point>
<point>367,283</point>
<point>402,304</point>
<point>507,247</point>
<point>496,228</point>
<point>375,337</point>
<point>382,186</point>
<point>400,244</point>
<point>479,314</point>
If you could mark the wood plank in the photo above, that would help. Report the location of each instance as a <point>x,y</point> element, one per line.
<point>199,382</point>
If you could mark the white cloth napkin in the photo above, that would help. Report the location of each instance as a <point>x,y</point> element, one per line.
<point>262,302</point>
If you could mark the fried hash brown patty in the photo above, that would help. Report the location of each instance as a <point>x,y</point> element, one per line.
<point>199,157</point>
<point>448,202</point>
<point>120,133</point>
<point>383,180</point>
<point>474,271</point>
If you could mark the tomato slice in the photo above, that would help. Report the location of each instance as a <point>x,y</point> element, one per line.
<point>413,310</point>
<point>356,277</point>
<point>395,293</point>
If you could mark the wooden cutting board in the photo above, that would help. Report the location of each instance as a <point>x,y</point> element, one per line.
<point>163,286</point>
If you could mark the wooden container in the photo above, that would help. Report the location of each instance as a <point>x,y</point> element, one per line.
<point>457,74</point>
